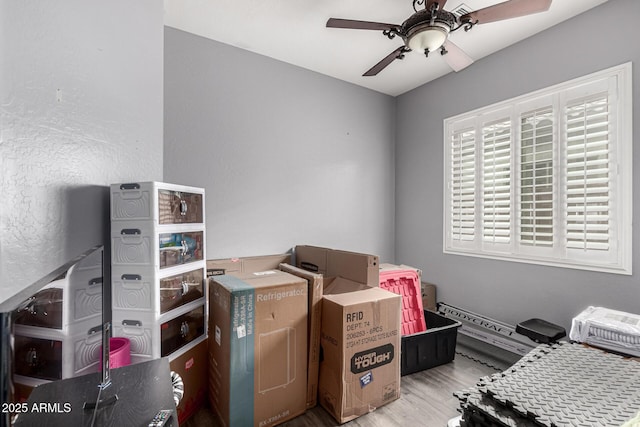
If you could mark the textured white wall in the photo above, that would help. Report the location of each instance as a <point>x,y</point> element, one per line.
<point>81,107</point>
<point>286,156</point>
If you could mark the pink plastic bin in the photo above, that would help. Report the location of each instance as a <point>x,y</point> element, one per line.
<point>119,352</point>
<point>406,282</point>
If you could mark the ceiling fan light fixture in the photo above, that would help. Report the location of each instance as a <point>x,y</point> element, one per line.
<point>428,29</point>
<point>429,37</point>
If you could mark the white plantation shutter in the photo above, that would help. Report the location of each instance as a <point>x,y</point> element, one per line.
<point>587,173</point>
<point>536,177</point>
<point>463,183</point>
<point>545,178</point>
<point>496,182</point>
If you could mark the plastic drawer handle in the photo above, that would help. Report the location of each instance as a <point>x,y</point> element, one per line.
<point>130,232</point>
<point>185,287</point>
<point>131,323</point>
<point>32,357</point>
<point>131,277</point>
<point>131,186</point>
<point>95,281</point>
<point>184,207</point>
<point>184,329</point>
<point>94,330</point>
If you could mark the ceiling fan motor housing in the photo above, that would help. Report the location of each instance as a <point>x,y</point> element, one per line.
<point>427,29</point>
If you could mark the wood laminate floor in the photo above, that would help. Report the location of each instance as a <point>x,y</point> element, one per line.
<point>426,399</point>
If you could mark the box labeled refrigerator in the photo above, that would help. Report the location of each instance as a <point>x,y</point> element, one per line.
<point>258,347</point>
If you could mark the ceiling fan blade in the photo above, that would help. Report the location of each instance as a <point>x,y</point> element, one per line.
<point>506,10</point>
<point>441,4</point>
<point>359,25</point>
<point>456,57</point>
<point>396,54</point>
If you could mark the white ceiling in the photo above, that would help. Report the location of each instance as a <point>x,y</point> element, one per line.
<point>294,31</point>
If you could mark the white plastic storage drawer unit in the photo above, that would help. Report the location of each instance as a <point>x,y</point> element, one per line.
<point>51,354</point>
<point>153,337</point>
<point>57,332</point>
<point>157,202</point>
<point>73,297</point>
<point>148,245</point>
<point>148,290</point>
<point>158,267</point>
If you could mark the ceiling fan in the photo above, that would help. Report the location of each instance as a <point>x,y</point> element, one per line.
<point>428,29</point>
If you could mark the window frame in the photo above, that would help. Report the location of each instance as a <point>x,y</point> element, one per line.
<point>618,83</point>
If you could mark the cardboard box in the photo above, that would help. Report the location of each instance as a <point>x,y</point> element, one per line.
<point>258,348</point>
<point>354,266</point>
<point>360,341</point>
<point>192,366</point>
<point>238,266</point>
<point>315,290</point>
<point>429,297</point>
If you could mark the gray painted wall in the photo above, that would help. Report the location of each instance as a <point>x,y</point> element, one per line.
<point>81,104</point>
<point>509,291</point>
<point>287,156</point>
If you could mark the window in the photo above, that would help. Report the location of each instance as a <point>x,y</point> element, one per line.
<point>545,178</point>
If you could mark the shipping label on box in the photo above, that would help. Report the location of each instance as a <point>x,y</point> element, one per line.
<point>361,346</point>
<point>258,348</point>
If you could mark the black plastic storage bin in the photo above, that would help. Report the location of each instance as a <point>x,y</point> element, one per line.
<point>436,346</point>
